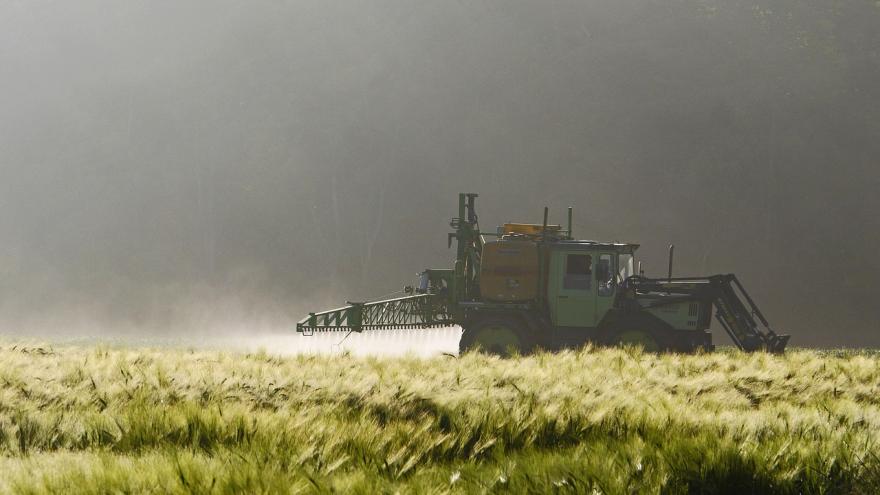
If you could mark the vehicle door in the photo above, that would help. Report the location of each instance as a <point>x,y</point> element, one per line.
<point>574,288</point>
<point>606,283</point>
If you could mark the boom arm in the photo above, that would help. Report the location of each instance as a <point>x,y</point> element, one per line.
<point>740,316</point>
<point>436,305</point>
<point>415,311</point>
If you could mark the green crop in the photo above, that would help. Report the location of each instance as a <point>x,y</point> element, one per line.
<point>121,420</point>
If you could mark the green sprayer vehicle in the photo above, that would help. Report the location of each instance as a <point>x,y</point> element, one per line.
<point>530,286</point>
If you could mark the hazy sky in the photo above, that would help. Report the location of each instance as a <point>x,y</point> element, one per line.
<point>165,162</point>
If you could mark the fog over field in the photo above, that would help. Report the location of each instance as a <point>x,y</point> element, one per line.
<point>196,168</point>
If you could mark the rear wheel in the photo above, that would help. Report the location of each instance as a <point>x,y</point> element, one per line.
<point>498,336</point>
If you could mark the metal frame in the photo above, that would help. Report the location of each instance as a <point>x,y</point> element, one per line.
<point>416,311</point>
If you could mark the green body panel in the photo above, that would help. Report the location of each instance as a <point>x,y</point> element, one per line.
<point>578,301</point>
<point>569,307</point>
<point>680,315</point>
<point>605,298</point>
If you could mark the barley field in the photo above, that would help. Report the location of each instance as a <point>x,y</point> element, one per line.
<point>111,419</point>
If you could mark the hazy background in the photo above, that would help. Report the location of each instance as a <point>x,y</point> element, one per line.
<point>169,167</point>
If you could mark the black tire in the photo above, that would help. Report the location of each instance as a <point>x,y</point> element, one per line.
<point>500,336</point>
<point>621,329</point>
<point>644,338</point>
<point>645,333</point>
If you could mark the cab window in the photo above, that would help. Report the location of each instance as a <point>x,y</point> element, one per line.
<point>605,275</point>
<point>578,272</point>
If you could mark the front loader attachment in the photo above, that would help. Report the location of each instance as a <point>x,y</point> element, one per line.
<point>741,320</point>
<point>734,308</point>
<point>415,311</point>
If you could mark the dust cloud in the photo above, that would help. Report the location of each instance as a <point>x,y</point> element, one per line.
<point>214,170</point>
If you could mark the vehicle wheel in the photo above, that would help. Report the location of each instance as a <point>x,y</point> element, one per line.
<point>498,336</point>
<point>640,338</point>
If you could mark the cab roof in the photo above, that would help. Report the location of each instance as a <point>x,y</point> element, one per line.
<point>581,244</point>
<point>619,247</point>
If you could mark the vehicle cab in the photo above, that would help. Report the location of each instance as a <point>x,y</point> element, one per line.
<point>583,280</point>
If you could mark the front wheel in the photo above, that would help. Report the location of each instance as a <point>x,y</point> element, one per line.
<point>498,336</point>
<point>638,338</point>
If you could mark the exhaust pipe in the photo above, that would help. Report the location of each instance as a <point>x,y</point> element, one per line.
<point>570,235</point>
<point>544,228</point>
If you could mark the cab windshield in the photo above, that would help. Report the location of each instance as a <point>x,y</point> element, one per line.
<point>625,267</point>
